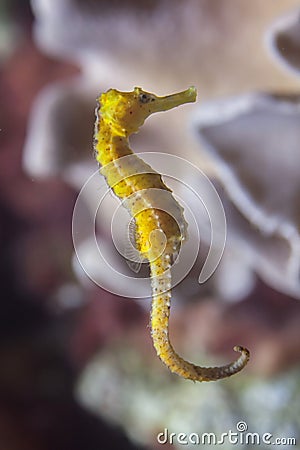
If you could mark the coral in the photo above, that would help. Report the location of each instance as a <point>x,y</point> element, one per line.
<point>253,141</point>
<point>283,41</point>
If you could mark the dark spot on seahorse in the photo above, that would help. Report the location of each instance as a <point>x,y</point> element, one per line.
<point>144,98</point>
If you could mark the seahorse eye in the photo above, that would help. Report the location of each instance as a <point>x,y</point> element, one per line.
<point>144,98</point>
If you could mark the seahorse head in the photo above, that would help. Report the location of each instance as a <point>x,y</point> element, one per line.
<point>127,111</point>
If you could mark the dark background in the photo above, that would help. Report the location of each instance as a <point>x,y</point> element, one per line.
<point>37,375</point>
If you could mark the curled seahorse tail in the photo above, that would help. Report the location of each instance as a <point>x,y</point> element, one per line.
<point>161,290</point>
<point>217,373</point>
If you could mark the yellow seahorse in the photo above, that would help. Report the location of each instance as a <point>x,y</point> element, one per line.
<point>160,227</point>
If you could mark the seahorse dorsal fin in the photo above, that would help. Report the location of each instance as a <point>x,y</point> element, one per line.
<point>133,257</point>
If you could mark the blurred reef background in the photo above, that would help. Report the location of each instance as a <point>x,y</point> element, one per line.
<point>78,370</point>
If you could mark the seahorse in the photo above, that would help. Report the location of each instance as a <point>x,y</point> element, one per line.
<point>160,226</point>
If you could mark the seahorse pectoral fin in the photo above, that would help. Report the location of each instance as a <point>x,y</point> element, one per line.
<point>133,260</point>
<point>173,100</point>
